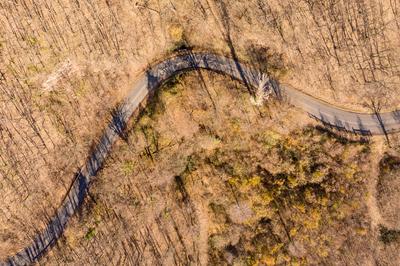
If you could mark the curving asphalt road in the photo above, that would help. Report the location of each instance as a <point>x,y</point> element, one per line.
<point>147,83</point>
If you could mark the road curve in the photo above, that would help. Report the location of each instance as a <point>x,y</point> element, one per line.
<point>147,83</point>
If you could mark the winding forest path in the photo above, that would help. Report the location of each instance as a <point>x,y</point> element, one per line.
<point>147,83</point>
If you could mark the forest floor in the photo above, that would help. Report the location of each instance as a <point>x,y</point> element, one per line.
<point>65,65</point>
<point>205,177</point>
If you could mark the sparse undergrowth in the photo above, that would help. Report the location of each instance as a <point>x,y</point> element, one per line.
<point>205,177</point>
<point>65,64</point>
<point>388,236</point>
<point>388,189</point>
<point>290,197</point>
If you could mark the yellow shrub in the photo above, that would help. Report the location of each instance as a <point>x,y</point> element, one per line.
<point>254,181</point>
<point>323,252</point>
<point>128,167</point>
<point>176,32</point>
<point>350,171</point>
<point>234,181</point>
<point>276,248</point>
<point>293,232</point>
<point>270,138</point>
<point>267,197</point>
<point>313,221</point>
<point>361,231</point>
<point>324,201</point>
<point>293,181</point>
<point>269,260</point>
<point>300,207</point>
<point>317,176</point>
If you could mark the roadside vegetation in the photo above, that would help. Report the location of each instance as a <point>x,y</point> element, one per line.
<point>388,189</point>
<point>207,177</point>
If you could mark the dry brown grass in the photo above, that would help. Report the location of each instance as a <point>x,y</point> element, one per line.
<point>138,198</point>
<point>225,185</point>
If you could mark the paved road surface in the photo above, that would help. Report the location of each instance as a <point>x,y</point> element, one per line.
<point>147,83</point>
